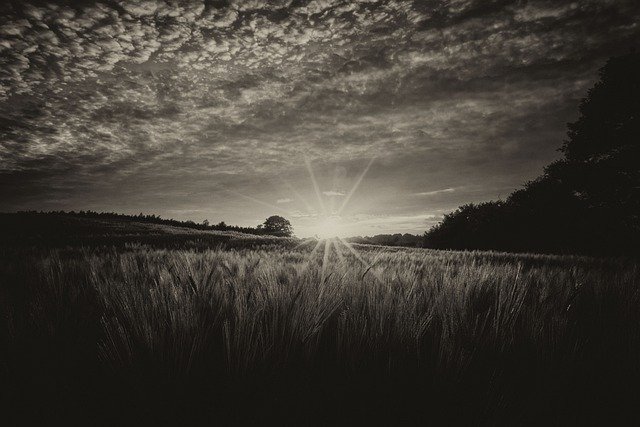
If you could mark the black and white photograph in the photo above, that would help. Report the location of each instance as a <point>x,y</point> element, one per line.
<point>320,212</point>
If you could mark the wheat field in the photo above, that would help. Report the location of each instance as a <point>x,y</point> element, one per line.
<point>295,336</point>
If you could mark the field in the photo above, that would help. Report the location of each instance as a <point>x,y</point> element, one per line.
<point>281,333</point>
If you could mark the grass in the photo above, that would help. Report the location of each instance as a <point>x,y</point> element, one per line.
<point>29,230</point>
<point>257,335</point>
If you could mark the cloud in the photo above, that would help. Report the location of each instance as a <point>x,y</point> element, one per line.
<point>130,102</point>
<point>285,200</point>
<point>333,193</point>
<point>434,192</point>
<point>376,224</point>
<point>302,215</point>
<point>380,219</point>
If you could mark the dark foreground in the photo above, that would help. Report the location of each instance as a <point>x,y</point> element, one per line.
<point>138,335</point>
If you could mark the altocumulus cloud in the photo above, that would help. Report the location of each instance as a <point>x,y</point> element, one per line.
<point>434,192</point>
<point>157,103</point>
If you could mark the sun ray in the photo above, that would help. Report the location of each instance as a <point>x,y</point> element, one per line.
<point>253,199</point>
<point>303,243</point>
<point>355,186</point>
<point>359,257</point>
<point>337,250</point>
<point>325,260</point>
<point>305,202</point>
<point>315,248</point>
<point>315,185</point>
<point>311,255</point>
<point>353,251</point>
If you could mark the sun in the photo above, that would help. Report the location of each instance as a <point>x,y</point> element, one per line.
<point>329,227</point>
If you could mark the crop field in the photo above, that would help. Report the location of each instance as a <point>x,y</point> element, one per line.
<point>297,335</point>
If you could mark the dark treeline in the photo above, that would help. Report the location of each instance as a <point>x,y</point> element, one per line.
<point>150,219</point>
<point>408,240</point>
<point>586,202</point>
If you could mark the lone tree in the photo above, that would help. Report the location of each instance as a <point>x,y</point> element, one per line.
<point>277,226</point>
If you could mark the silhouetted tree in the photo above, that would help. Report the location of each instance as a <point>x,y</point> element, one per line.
<point>277,226</point>
<point>589,201</point>
<point>602,152</point>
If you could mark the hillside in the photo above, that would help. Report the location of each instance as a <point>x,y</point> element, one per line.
<point>60,229</point>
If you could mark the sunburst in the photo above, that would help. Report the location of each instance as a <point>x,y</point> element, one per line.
<point>329,227</point>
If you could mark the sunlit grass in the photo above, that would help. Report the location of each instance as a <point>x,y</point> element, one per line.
<point>494,334</point>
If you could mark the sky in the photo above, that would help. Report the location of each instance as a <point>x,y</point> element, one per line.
<point>399,111</point>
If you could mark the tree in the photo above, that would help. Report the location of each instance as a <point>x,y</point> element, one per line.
<point>277,226</point>
<point>603,145</point>
<point>588,201</point>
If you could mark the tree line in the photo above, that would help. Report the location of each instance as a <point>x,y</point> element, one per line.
<point>274,225</point>
<point>398,239</point>
<point>586,202</point>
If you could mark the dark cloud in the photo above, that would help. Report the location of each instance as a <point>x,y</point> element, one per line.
<point>140,100</point>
